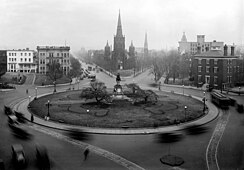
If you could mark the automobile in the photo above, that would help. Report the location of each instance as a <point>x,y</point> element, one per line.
<point>18,155</point>
<point>42,157</point>
<point>12,119</point>
<point>92,76</point>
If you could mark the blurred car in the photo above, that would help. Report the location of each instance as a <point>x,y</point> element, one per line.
<point>12,119</point>
<point>91,76</point>
<point>42,158</point>
<point>18,155</point>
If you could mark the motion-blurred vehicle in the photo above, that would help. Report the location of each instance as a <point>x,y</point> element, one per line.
<point>91,76</point>
<point>18,155</point>
<point>42,158</point>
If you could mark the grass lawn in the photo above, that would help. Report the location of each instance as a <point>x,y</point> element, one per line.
<point>69,108</point>
<point>45,80</point>
<point>11,78</point>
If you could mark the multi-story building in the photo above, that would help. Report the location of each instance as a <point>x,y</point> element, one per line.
<point>218,69</point>
<point>48,54</point>
<point>200,46</point>
<point>3,61</point>
<point>21,61</point>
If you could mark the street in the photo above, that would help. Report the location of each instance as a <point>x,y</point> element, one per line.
<point>144,150</point>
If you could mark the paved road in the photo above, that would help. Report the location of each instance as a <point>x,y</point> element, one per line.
<point>64,155</point>
<point>144,150</point>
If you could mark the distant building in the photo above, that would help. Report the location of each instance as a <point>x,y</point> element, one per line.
<point>47,54</point>
<point>21,61</point>
<point>3,61</point>
<point>200,46</point>
<point>217,68</point>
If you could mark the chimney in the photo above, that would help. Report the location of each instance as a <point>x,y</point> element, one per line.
<point>232,52</point>
<point>225,50</point>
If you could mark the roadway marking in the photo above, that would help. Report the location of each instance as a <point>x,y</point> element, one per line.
<point>212,149</point>
<point>101,152</point>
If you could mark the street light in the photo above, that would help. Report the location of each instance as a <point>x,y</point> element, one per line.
<point>54,86</point>
<point>239,91</point>
<point>36,92</point>
<point>185,112</point>
<point>204,100</point>
<point>48,113</point>
<point>78,84</point>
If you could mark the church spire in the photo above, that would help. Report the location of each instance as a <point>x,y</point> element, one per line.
<point>145,42</point>
<point>183,39</point>
<point>119,27</point>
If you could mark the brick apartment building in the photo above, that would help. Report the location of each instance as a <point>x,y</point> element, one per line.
<point>218,68</point>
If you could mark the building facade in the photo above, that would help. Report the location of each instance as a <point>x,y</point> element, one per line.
<point>21,61</point>
<point>218,69</point>
<point>200,46</point>
<point>48,54</point>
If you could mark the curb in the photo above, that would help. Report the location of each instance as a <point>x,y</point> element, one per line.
<point>212,114</point>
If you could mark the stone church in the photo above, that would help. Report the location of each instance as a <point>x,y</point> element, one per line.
<point>120,58</point>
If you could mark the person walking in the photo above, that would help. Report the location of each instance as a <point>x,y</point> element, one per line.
<point>26,91</point>
<point>86,152</point>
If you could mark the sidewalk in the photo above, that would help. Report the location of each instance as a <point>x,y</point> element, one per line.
<point>23,108</point>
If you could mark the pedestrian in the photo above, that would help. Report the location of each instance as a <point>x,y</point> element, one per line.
<point>26,91</point>
<point>86,152</point>
<point>159,86</point>
<point>32,118</point>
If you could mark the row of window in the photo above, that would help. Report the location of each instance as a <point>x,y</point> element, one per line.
<point>229,61</point>
<point>58,54</point>
<point>21,59</point>
<point>14,54</point>
<point>216,69</point>
<point>200,69</point>
<point>207,79</point>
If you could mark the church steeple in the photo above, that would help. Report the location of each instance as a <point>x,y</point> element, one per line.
<point>145,46</point>
<point>183,39</point>
<point>119,27</point>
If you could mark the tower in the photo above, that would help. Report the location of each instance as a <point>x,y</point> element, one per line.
<point>132,50</point>
<point>119,56</point>
<point>107,51</point>
<point>145,46</point>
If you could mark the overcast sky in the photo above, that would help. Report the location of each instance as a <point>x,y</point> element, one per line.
<point>90,23</point>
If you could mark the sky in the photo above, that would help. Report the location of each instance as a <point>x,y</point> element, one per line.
<point>90,24</point>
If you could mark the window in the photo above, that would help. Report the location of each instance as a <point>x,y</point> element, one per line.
<point>199,61</point>
<point>64,54</point>
<point>29,60</point>
<point>228,69</point>
<point>215,69</point>
<point>9,54</point>
<point>25,59</point>
<point>21,54</point>
<point>207,61</point>
<point>207,69</point>
<point>215,80</point>
<point>29,54</point>
<point>199,69</point>
<point>25,54</point>
<point>199,78</point>
<point>67,54</point>
<point>229,61</point>
<point>215,61</point>
<point>21,59</point>
<point>58,54</point>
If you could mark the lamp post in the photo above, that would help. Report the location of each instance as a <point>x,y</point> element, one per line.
<point>48,113</point>
<point>185,112</point>
<point>54,86</point>
<point>36,93</point>
<point>239,91</point>
<point>204,100</point>
<point>78,84</point>
<point>29,99</point>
